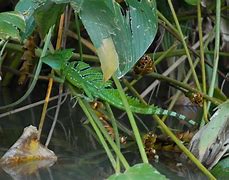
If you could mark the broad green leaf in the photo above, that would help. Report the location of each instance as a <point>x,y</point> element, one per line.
<point>218,121</point>
<point>26,8</point>
<point>221,170</point>
<point>56,59</point>
<point>13,18</point>
<point>11,23</point>
<point>61,1</point>
<point>210,143</point>
<point>141,171</point>
<point>40,9</point>
<point>131,33</point>
<point>8,31</point>
<point>47,15</point>
<point>76,5</point>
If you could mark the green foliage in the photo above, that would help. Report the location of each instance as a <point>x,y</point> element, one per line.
<point>43,14</point>
<point>215,126</point>
<point>141,171</point>
<point>27,8</point>
<point>90,80</point>
<point>130,30</point>
<point>47,15</point>
<point>11,23</point>
<point>211,142</point>
<point>132,34</point>
<point>219,94</point>
<point>221,170</point>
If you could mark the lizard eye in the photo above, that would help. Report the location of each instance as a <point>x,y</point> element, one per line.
<point>67,63</point>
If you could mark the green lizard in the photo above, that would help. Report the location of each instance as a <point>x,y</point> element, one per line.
<point>81,75</point>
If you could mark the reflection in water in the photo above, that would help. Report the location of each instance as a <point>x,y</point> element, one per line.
<point>27,170</point>
<point>64,168</point>
<point>80,156</point>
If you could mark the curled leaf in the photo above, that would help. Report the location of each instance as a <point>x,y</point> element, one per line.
<point>11,23</point>
<point>27,148</point>
<point>108,58</point>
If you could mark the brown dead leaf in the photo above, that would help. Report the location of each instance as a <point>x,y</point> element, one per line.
<point>27,148</point>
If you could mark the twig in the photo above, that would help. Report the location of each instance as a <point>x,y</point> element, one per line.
<point>216,52</point>
<point>170,69</point>
<point>29,106</point>
<point>185,45</point>
<point>86,109</point>
<point>45,107</point>
<point>56,115</point>
<point>132,120</point>
<point>184,149</point>
<point>58,45</point>
<point>185,86</point>
<point>34,81</point>
<point>199,18</point>
<point>85,42</point>
<point>16,72</point>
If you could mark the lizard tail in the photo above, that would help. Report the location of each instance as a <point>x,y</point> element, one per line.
<point>160,111</point>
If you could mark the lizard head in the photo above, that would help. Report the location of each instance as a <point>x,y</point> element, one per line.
<point>57,59</point>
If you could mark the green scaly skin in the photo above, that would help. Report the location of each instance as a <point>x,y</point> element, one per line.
<point>82,76</point>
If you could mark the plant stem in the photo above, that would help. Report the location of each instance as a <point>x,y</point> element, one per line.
<point>132,120</point>
<point>133,82</point>
<point>216,52</point>
<point>185,86</point>
<point>181,52</point>
<point>29,106</point>
<point>34,81</point>
<point>100,136</point>
<point>185,46</point>
<point>45,107</point>
<point>164,54</point>
<point>50,84</point>
<point>175,97</point>
<point>134,91</point>
<point>56,115</point>
<point>199,18</point>
<point>84,42</point>
<point>167,22</point>
<point>38,51</point>
<point>2,56</point>
<point>183,148</point>
<point>1,53</point>
<point>165,129</point>
<point>79,36</point>
<point>117,138</point>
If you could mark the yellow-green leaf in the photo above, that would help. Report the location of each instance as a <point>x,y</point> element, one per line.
<point>108,58</point>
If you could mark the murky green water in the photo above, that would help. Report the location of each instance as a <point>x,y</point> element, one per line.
<point>80,156</point>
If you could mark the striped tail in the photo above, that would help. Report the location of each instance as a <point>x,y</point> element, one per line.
<point>160,111</point>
